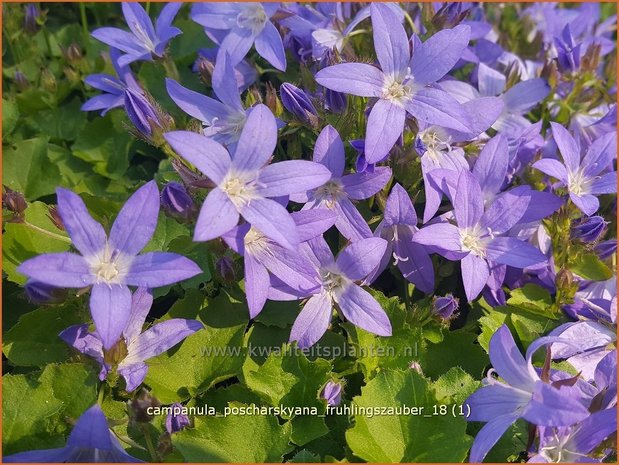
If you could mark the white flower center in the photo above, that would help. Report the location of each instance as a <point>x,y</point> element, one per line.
<point>330,192</point>
<point>252,17</point>
<point>396,91</point>
<point>472,240</point>
<point>578,183</point>
<point>144,37</point>
<point>256,242</point>
<point>332,281</point>
<point>436,142</point>
<point>241,188</point>
<point>230,126</point>
<point>109,266</point>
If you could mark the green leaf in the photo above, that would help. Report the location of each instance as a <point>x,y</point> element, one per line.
<point>396,351</point>
<point>65,122</point>
<point>27,168</point>
<point>455,386</point>
<point>305,456</point>
<point>406,438</point>
<point>288,378</point>
<point>104,144</point>
<point>532,298</point>
<point>253,439</point>
<point>10,116</point>
<point>166,231</point>
<point>589,266</point>
<point>75,384</point>
<point>29,411</point>
<point>306,428</point>
<point>457,349</point>
<point>37,234</point>
<point>34,340</point>
<point>205,358</point>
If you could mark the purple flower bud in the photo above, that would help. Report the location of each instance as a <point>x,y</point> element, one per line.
<point>32,14</point>
<point>225,267</point>
<point>73,53</point>
<point>414,365</point>
<point>176,201</point>
<point>297,102</point>
<point>606,249</point>
<point>140,406</point>
<point>13,201</point>
<point>568,53</point>
<point>40,293</point>
<point>141,112</point>
<point>445,307</point>
<point>361,164</point>
<point>332,393</point>
<point>21,81</point>
<point>589,229</point>
<point>176,420</point>
<point>335,101</point>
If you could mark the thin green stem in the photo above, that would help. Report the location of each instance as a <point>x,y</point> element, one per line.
<point>84,21</point>
<point>48,233</point>
<point>101,395</point>
<point>149,444</point>
<point>170,67</point>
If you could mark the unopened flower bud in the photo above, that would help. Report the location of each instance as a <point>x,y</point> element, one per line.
<point>141,112</point>
<point>606,249</point>
<point>176,420</point>
<point>21,81</point>
<point>48,81</point>
<point>73,53</point>
<point>139,407</point>
<point>335,102</point>
<point>13,201</point>
<point>205,68</point>
<point>272,101</point>
<point>589,229</point>
<point>445,307</point>
<point>414,365</point>
<point>332,393</point>
<point>297,102</point>
<point>176,201</point>
<point>55,218</point>
<point>564,279</point>
<point>41,293</point>
<point>31,17</point>
<point>225,268</point>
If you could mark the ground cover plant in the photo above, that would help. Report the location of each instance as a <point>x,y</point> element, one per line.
<point>298,232</point>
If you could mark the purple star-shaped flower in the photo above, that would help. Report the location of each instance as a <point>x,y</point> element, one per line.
<point>135,346</point>
<point>479,234</point>
<point>583,178</point>
<point>236,26</point>
<point>265,258</point>
<point>144,40</point>
<point>337,280</point>
<point>490,170</point>
<point>245,182</point>
<point>90,441</point>
<point>398,228</point>
<point>338,190</point>
<point>522,395</point>
<point>114,88</point>
<point>223,120</point>
<point>403,84</point>
<point>110,264</point>
<point>574,443</point>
